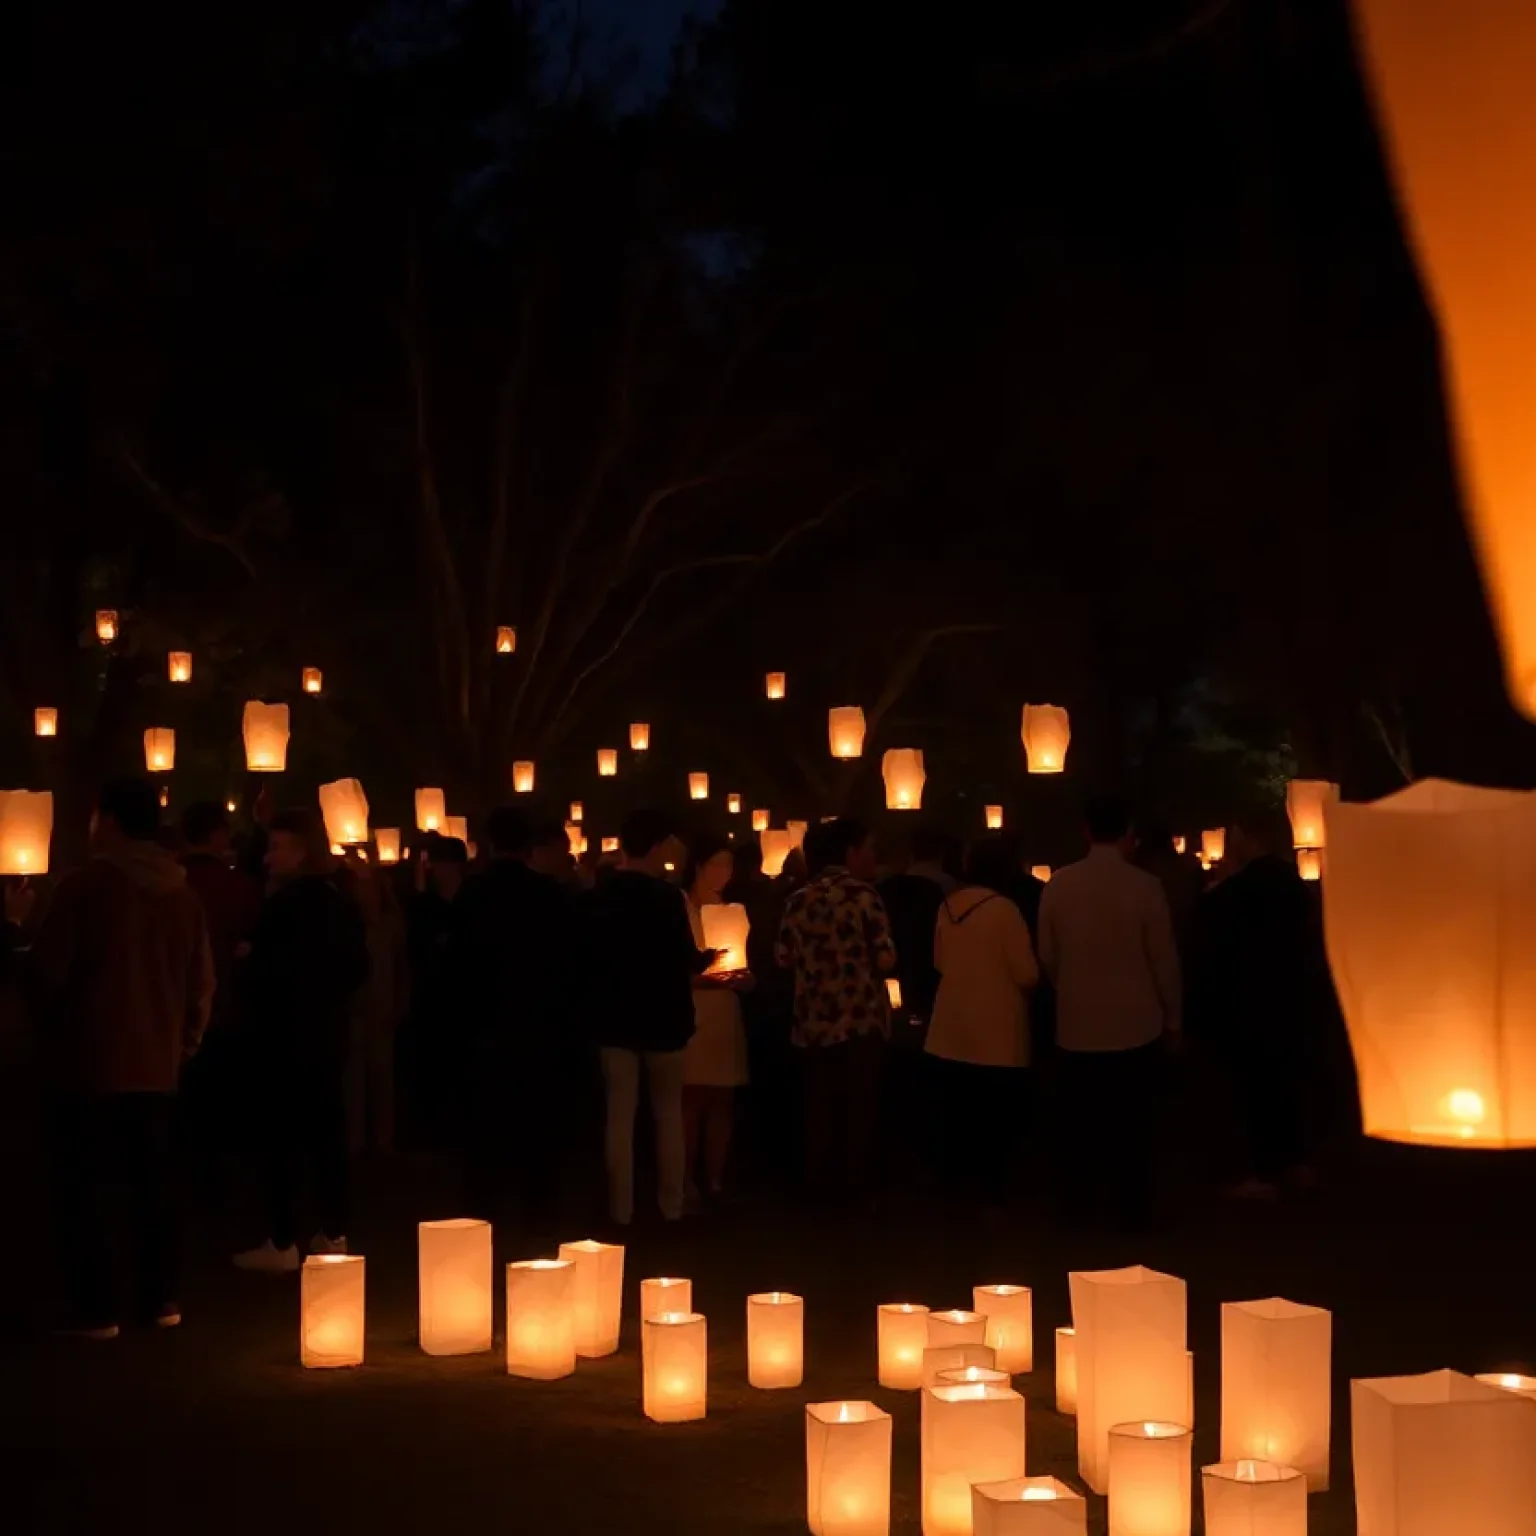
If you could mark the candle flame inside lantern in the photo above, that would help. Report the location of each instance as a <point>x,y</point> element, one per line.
<point>1465,1106</point>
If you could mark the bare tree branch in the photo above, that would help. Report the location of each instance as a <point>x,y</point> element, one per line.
<point>233,544</point>
<point>901,674</point>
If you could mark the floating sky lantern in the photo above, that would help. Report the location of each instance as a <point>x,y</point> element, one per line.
<point>607,762</point>
<point>1307,802</point>
<point>1213,844</point>
<point>1047,733</point>
<point>431,810</point>
<point>522,777</point>
<point>994,817</point>
<point>698,786</point>
<point>506,639</point>
<point>265,728</point>
<point>1028,1506</point>
<point>106,625</point>
<point>610,845</point>
<point>777,845</point>
<point>345,809</point>
<point>845,731</point>
<point>775,685</point>
<point>178,666</point>
<point>456,827</point>
<point>639,737</point>
<point>726,926</point>
<point>760,819</point>
<point>733,805</point>
<point>1180,845</point>
<point>159,749</point>
<point>386,843</point>
<point>578,811</point>
<point>26,830</point>
<point>902,768</point>
<point>45,722</point>
<point>312,679</point>
<point>1309,863</point>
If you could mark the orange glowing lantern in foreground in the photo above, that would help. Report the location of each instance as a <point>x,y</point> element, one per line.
<point>332,1292</point>
<point>1306,803</point>
<point>777,845</point>
<point>386,843</point>
<point>106,625</point>
<point>970,1434</point>
<point>665,1293</point>
<point>1452,88</point>
<point>1028,1506</point>
<point>674,1365</point>
<point>726,927</point>
<point>845,731</point>
<point>454,1282</point>
<point>26,829</point>
<point>1010,1314</point>
<point>431,810</point>
<point>1213,844</point>
<point>1047,733</point>
<point>847,1469</point>
<point>45,722</point>
<point>760,820</point>
<point>1150,1463</point>
<point>599,1295</point>
<point>904,778</point>
<point>698,786</point>
<point>1276,1385</point>
<point>902,1337</point>
<point>159,749</point>
<point>639,737</point>
<point>265,728</point>
<point>345,809</point>
<point>178,666</point>
<point>607,762</point>
<point>775,685</point>
<point>522,778</point>
<point>541,1319</point>
<point>775,1339</point>
<point>1425,888</point>
<point>506,639</point>
<point>994,815</point>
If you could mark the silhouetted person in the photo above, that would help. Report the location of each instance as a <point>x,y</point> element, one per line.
<point>307,962</point>
<point>432,1054</point>
<point>1179,874</point>
<point>378,1011</point>
<point>1106,940</point>
<point>911,899</point>
<point>124,983</point>
<point>549,852</point>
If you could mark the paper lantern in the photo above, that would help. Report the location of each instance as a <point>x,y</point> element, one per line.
<point>1204,860</point>
<point>541,1319</point>
<point>1132,1357</point>
<point>45,722</point>
<point>760,820</point>
<point>1524,1386</point>
<point>506,640</point>
<point>726,927</point>
<point>1425,889</point>
<point>944,1359</point>
<point>956,1327</point>
<point>178,666</point>
<point>1452,93</point>
<point>1010,1314</point>
<point>522,778</point>
<point>386,843</point>
<point>674,1364</point>
<point>994,815</point>
<point>1309,863</point>
<point>345,809</point>
<point>777,846</point>
<point>845,731</point>
<point>1187,1418</point>
<point>26,830</point>
<point>1253,1498</point>
<point>610,845</point>
<point>1180,844</point>
<point>1276,1391</point>
<point>311,679</point>
<point>847,1469</point>
<point>971,1375</point>
<point>1028,1506</point>
<point>698,786</point>
<point>431,810</point>
<point>1041,872</point>
<point>578,810</point>
<point>106,625</point>
<point>599,1295</point>
<point>1047,732</point>
<point>797,831</point>
<point>1213,844</point>
<point>454,1271</point>
<point>165,796</point>
<point>665,1294</point>
<point>331,1310</point>
<point>902,1330</point>
<point>456,827</point>
<point>607,762</point>
<point>639,737</point>
<point>1440,1453</point>
<point>265,728</point>
<point>1306,803</point>
<point>970,1434</point>
<point>902,768</point>
<point>775,1339</point>
<point>893,991</point>
<point>1149,1479</point>
<point>159,749</point>
<point>733,805</point>
<point>775,685</point>
<point>230,806</point>
<point>575,838</point>
<point>1066,1370</point>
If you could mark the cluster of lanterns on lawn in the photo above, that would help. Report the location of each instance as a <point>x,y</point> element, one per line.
<point>1441,1451</point>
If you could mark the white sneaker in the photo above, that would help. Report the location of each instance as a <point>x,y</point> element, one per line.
<point>328,1245</point>
<point>269,1259</point>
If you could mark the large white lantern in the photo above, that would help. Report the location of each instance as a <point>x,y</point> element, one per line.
<point>265,728</point>
<point>1276,1385</point>
<point>904,778</point>
<point>599,1295</point>
<point>344,807</point>
<point>777,845</point>
<point>1047,732</point>
<point>454,1277</point>
<point>845,731</point>
<point>26,830</point>
<point>847,1469</point>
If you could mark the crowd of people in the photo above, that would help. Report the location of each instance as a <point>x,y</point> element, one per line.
<point>276,1007</point>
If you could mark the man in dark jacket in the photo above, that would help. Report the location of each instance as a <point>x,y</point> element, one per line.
<point>639,965</point>
<point>308,960</point>
<point>124,983</point>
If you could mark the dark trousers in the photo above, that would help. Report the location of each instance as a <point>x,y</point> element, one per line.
<point>304,1117</point>
<point>1267,1078</point>
<point>1107,1137</point>
<point>978,1119</point>
<point>842,1115</point>
<point>517,1129</point>
<point>111,1152</point>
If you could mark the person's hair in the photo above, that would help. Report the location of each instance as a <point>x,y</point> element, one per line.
<point>1153,832</point>
<point>509,831</point>
<point>308,826</point>
<point>703,848</point>
<point>549,834</point>
<point>749,859</point>
<point>993,862</point>
<point>929,845</point>
<point>1108,819</point>
<point>133,804</point>
<point>643,832</point>
<point>201,820</point>
<point>1267,828</point>
<point>447,850</point>
<point>829,844</point>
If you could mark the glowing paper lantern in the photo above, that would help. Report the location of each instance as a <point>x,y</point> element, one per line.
<point>1180,844</point>
<point>159,749</point>
<point>956,1327</point>
<point>599,1295</point>
<point>797,831</point>
<point>970,1434</point>
<point>45,722</point>
<point>1149,1479</point>
<point>639,737</point>
<point>1041,872</point>
<point>845,731</point>
<point>522,778</point>
<point>178,666</point>
<point>1306,803</point>
<point>1439,1453</point>
<point>578,810</point>
<point>994,815</point>
<point>431,810</point>
<point>106,625</point>
<point>775,1339</point>
<point>1254,1498</point>
<point>698,786</point>
<point>760,820</point>
<point>311,679</point>
<point>229,805</point>
<point>1309,863</point>
<point>26,829</point>
<point>945,1359</point>
<point>775,685</point>
<point>1213,844</point>
<point>345,809</point>
<point>386,843</point>
<point>1047,732</point>
<point>1276,1396</point>
<point>1452,92</point>
<point>456,827</point>
<point>733,805</point>
<point>1425,888</point>
<point>331,1310</point>
<point>609,844</point>
<point>1525,1386</point>
<point>902,768</point>
<point>777,846</point>
<point>165,796</point>
<point>541,1319</point>
<point>1028,1506</point>
<point>902,1329</point>
<point>1010,1314</point>
<point>576,839</point>
<point>893,991</point>
<point>265,728</point>
<point>506,639</point>
<point>607,762</point>
<point>674,1364</point>
<point>1132,1357</point>
<point>454,1272</point>
<point>847,1469</point>
<point>1066,1370</point>
<point>725,928</point>
<point>667,1293</point>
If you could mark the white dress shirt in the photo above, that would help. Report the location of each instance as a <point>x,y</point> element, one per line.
<point>1106,941</point>
<point>986,964</point>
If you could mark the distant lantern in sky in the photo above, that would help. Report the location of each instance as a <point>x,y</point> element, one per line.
<point>1307,802</point>
<point>522,777</point>
<point>904,778</point>
<point>106,625</point>
<point>994,815</point>
<point>431,809</point>
<point>775,685</point>
<point>1046,732</point>
<point>1180,844</point>
<point>845,731</point>
<point>698,786</point>
<point>45,722</point>
<point>1041,872</point>
<point>26,829</point>
<point>733,805</point>
<point>639,737</point>
<point>578,811</point>
<point>575,837</point>
<point>1309,863</point>
<point>607,762</point>
<point>760,819</point>
<point>456,827</point>
<point>265,728</point>
<point>1452,90</point>
<point>610,845</point>
<point>345,809</point>
<point>312,679</point>
<point>386,840</point>
<point>506,640</point>
<point>1213,844</point>
<point>159,749</point>
<point>178,666</point>
<point>777,847</point>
